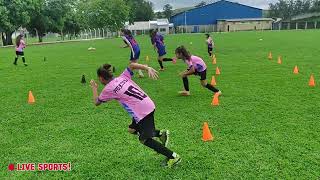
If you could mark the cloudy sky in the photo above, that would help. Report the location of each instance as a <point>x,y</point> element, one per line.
<point>158,4</point>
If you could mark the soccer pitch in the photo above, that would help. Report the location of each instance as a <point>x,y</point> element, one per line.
<point>267,124</point>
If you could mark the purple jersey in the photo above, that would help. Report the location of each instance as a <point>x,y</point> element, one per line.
<point>196,62</point>
<point>134,100</point>
<point>132,43</point>
<point>21,46</point>
<point>158,40</point>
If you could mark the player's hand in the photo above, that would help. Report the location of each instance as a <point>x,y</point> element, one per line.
<point>93,84</point>
<point>153,73</point>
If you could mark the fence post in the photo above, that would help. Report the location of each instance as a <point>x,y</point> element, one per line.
<point>306,25</point>
<point>315,25</point>
<point>296,25</point>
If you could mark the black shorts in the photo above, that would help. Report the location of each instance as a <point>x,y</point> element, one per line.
<point>210,49</point>
<point>203,75</point>
<point>145,128</point>
<point>19,53</point>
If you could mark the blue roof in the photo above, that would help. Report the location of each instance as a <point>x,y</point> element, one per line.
<point>213,4</point>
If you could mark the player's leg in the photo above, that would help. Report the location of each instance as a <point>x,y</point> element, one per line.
<point>16,58</point>
<point>186,91</point>
<point>133,128</point>
<point>210,51</point>
<point>160,61</point>
<point>134,58</point>
<point>146,133</point>
<point>23,59</point>
<point>205,83</point>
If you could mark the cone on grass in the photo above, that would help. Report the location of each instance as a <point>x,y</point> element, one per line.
<point>270,56</point>
<point>206,134</point>
<point>213,81</point>
<point>218,71</point>
<point>279,60</point>
<point>312,83</point>
<point>83,79</point>
<point>147,58</point>
<point>296,70</point>
<point>214,60</point>
<point>31,99</point>
<point>215,100</point>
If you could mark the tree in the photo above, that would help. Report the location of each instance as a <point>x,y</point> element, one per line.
<point>159,15</point>
<point>286,9</point>
<point>315,6</point>
<point>140,10</point>
<point>167,11</point>
<point>48,15</point>
<point>13,14</point>
<point>202,3</point>
<point>111,14</point>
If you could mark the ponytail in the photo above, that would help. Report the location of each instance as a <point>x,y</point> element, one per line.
<point>183,51</point>
<point>105,72</point>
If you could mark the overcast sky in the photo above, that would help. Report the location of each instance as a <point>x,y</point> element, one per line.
<point>158,4</point>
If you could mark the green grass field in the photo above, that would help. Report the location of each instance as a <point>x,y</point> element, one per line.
<point>266,127</point>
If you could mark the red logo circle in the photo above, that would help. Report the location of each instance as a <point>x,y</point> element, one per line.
<point>11,167</point>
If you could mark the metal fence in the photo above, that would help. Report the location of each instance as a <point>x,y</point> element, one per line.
<point>86,34</point>
<point>296,25</point>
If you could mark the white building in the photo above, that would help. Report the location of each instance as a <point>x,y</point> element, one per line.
<point>143,27</point>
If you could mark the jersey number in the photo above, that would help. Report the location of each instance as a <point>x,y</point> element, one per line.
<point>136,93</point>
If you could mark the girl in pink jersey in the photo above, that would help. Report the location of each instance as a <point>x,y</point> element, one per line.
<point>20,45</point>
<point>137,103</point>
<point>210,44</point>
<point>196,66</point>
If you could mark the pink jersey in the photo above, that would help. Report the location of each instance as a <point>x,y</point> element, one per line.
<point>196,62</point>
<point>129,94</point>
<point>210,42</point>
<point>21,46</point>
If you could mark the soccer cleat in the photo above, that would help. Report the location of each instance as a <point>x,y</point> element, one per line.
<point>164,138</point>
<point>15,63</point>
<point>219,92</point>
<point>161,69</point>
<point>25,64</point>
<point>173,162</point>
<point>184,93</point>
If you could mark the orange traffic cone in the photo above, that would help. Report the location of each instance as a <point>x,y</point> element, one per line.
<point>215,100</point>
<point>206,134</point>
<point>214,60</point>
<point>147,58</point>
<point>296,70</point>
<point>213,81</point>
<point>279,60</point>
<point>217,71</point>
<point>270,56</point>
<point>31,99</point>
<point>312,83</point>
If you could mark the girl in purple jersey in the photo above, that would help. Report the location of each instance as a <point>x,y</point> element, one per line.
<point>157,41</point>
<point>20,45</point>
<point>130,42</point>
<point>196,66</point>
<point>137,103</point>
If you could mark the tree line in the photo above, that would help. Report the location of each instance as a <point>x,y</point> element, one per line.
<point>286,9</point>
<point>69,16</point>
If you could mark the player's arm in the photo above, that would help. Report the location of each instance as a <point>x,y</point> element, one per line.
<point>126,45</point>
<point>151,72</point>
<point>94,87</point>
<point>189,72</point>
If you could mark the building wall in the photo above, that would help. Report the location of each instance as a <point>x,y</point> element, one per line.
<point>210,13</point>
<point>224,26</point>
